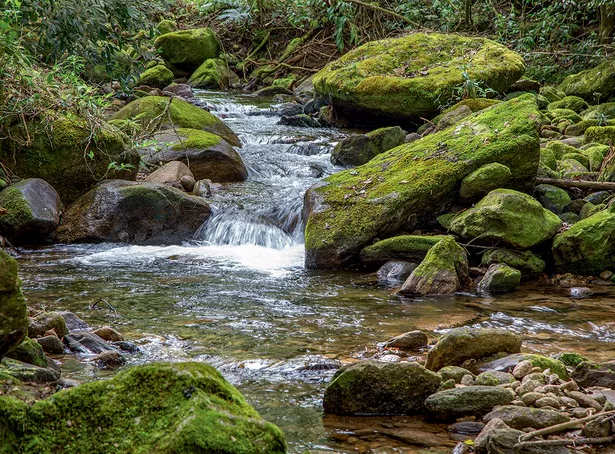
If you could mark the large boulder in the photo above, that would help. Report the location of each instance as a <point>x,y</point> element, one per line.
<point>411,77</point>
<point>371,387</point>
<point>499,278</point>
<point>186,50</point>
<point>136,213</point>
<point>588,374</point>
<point>357,149</point>
<point>507,218</point>
<point>69,154</point>
<point>469,401</point>
<point>187,408</point>
<point>13,311</point>
<point>207,155</point>
<point>443,271</point>
<point>527,262</point>
<point>461,344</point>
<point>593,83</point>
<point>213,73</point>
<point>404,247</point>
<point>409,186</point>
<point>33,211</point>
<point>522,417</point>
<point>588,247</point>
<point>159,113</point>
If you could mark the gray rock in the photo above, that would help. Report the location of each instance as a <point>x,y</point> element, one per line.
<point>584,400</point>
<point>454,372</point>
<point>370,387</point>
<point>466,427</point>
<point>33,211</point>
<point>396,270</point>
<point>109,360</point>
<point>467,401</point>
<point>522,417</point>
<point>358,149</point>
<point>202,188</point>
<point>299,121</point>
<point>482,440</point>
<point>86,343</point>
<point>408,341</point>
<point>51,344</point>
<point>74,323</point>
<point>181,90</point>
<point>290,109</point>
<point>461,344</point>
<point>589,374</point>
<point>47,321</point>
<point>503,441</point>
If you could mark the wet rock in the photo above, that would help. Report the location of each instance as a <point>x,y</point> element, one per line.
<point>494,378</point>
<point>484,180</point>
<point>370,387</point>
<point>461,344</point>
<point>135,213</point>
<point>299,121</point>
<point>467,401</point>
<point>522,417</point>
<point>455,373</point>
<point>580,292</point>
<point>466,427</point>
<point>30,352</point>
<point>47,321</point>
<point>33,210</point>
<point>188,408</point>
<point>408,341</point>
<point>202,188</point>
<point>51,344</point>
<point>86,343</point>
<point>500,279</point>
<point>13,311</point>
<point>411,248</point>
<point>588,374</point>
<point>443,271</point>
<point>28,373</point>
<point>181,90</point>
<point>170,174</point>
<point>109,360</point>
<point>290,109</point>
<point>207,156</point>
<point>108,334</point>
<point>508,363</point>
<point>396,270</point>
<point>128,347</point>
<point>358,149</point>
<point>73,323</point>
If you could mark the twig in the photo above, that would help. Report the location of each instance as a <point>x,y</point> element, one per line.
<point>384,10</point>
<point>581,184</point>
<point>111,308</point>
<point>570,441</point>
<point>260,46</point>
<point>564,426</point>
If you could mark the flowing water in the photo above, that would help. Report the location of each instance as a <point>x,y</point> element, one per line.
<point>238,297</point>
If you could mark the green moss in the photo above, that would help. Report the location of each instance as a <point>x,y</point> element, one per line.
<point>580,128</point>
<point>607,109</point>
<point>412,184</point>
<point>524,261</point>
<point>188,49</point>
<point>405,247</point>
<point>546,172</point>
<point>557,115</point>
<point>383,77</point>
<point>166,26</point>
<point>556,366</point>
<point>193,138</point>
<point>552,198</point>
<point>286,82</point>
<point>13,316</point>
<point>18,211</point>
<point>180,408</point>
<point>550,93</point>
<point>601,134</point>
<point>580,158</point>
<point>589,209</point>
<point>159,76</point>
<point>475,104</point>
<point>559,149</point>
<point>29,351</point>
<point>482,181</point>
<point>492,378</point>
<point>569,102</point>
<point>213,73</point>
<point>593,85</point>
<point>500,278</point>
<point>547,157</point>
<point>571,359</point>
<point>148,113</point>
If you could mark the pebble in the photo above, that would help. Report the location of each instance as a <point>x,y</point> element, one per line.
<point>389,359</point>
<point>569,402</point>
<point>584,400</point>
<point>531,397</point>
<point>467,380</point>
<point>580,292</point>
<point>537,376</point>
<point>522,369</point>
<point>548,401</point>
<point>579,413</point>
<point>569,386</point>
<point>528,387</point>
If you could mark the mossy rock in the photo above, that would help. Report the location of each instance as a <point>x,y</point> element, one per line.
<point>559,149</point>
<point>571,168</point>
<point>579,129</point>
<point>593,85</point>
<point>547,157</point>
<point>286,82</point>
<point>544,362</point>
<point>571,359</point>
<point>588,247</point>
<point>601,134</point>
<point>552,198</point>
<point>484,180</point>
<point>47,321</point>
<point>607,109</point>
<point>30,352</point>
<point>158,77</point>
<point>525,261</point>
<point>186,50</point>
<point>499,278</point>
<point>358,149</point>
<point>411,77</point>
<point>13,311</point>
<point>558,115</point>
<point>589,209</point>
<point>409,186</point>
<point>411,248</point>
<point>546,172</point>
<point>184,407</point>
<point>213,73</point>
<point>148,112</point>
<point>507,218</point>
<point>550,93</point>
<point>475,104</point>
<point>579,157</point>
<point>569,102</point>
<point>454,373</point>
<point>58,152</point>
<point>467,401</point>
<point>166,26</point>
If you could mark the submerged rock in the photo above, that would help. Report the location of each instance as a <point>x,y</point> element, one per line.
<point>358,149</point>
<point>371,387</point>
<point>469,401</point>
<point>136,213</point>
<point>411,77</point>
<point>409,186</point>
<point>186,407</point>
<point>13,310</point>
<point>461,344</point>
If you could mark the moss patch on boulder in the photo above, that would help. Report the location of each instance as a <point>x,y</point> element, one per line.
<point>484,180</point>
<point>592,83</point>
<point>600,134</point>
<point>159,77</point>
<point>405,247</point>
<point>13,310</point>
<point>186,50</point>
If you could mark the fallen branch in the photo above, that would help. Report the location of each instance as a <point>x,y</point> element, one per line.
<point>581,184</point>
<point>111,308</point>
<point>570,441</point>
<point>574,424</point>
<point>384,10</point>
<point>260,46</point>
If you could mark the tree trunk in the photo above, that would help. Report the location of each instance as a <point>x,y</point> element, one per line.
<point>469,23</point>
<point>607,23</point>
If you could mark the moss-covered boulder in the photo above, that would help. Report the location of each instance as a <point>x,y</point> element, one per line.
<point>166,26</point>
<point>378,388</point>
<point>507,218</point>
<point>207,155</point>
<point>468,401</point>
<point>588,247</point>
<point>358,149</point>
<point>525,261</point>
<point>158,76</point>
<point>569,102</point>
<point>606,109</point>
<point>47,321</point>
<point>484,180</point>
<point>135,213</point>
<point>69,155</point>
<point>499,278</point>
<point>409,186</point>
<point>186,50</point>
<point>461,344</point>
<point>159,408</point>
<point>552,198</point>
<point>551,93</point>
<point>600,134</point>
<point>411,77</point>
<point>213,73</point>
<point>157,113</point>
<point>593,85</point>
<point>13,311</point>
<point>411,248</point>
<point>559,149</point>
<point>443,271</point>
<point>30,352</point>
<point>33,210</point>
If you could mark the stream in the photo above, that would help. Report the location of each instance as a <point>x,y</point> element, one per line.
<point>239,298</point>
